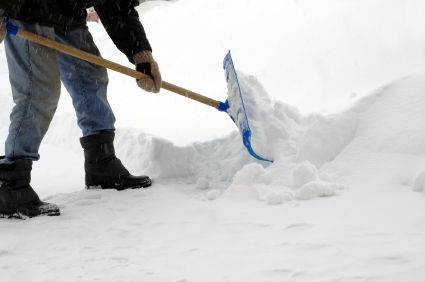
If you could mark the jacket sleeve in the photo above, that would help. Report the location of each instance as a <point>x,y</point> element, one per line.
<point>122,23</point>
<point>10,8</point>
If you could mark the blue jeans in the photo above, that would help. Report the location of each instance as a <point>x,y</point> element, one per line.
<point>35,73</point>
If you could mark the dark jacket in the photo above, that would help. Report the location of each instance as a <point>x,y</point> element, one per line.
<point>119,18</point>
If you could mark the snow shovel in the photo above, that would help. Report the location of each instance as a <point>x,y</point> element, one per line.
<point>235,107</point>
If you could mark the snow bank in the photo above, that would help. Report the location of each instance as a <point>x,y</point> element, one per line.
<point>315,156</point>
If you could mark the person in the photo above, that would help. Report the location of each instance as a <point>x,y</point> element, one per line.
<point>35,74</point>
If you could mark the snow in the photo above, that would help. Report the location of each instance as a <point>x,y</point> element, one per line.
<point>419,182</point>
<point>316,189</point>
<point>256,112</point>
<point>304,173</point>
<point>202,184</point>
<point>343,200</point>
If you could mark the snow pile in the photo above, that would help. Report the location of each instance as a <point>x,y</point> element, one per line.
<point>278,132</point>
<point>380,139</point>
<point>223,165</point>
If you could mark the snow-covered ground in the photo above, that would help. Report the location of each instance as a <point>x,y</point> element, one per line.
<point>343,201</point>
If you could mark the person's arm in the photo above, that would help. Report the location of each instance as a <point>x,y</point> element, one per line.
<point>10,8</point>
<point>122,23</point>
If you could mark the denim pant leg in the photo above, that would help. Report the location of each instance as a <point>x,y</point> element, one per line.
<point>87,83</point>
<point>35,81</point>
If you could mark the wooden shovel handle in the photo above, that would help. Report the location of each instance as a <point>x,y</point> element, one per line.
<point>112,66</point>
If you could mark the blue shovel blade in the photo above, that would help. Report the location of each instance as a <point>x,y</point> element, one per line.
<point>235,106</point>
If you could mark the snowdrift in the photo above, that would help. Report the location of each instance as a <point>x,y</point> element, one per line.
<point>381,138</point>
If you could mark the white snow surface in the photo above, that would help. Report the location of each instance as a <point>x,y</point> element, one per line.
<point>344,199</point>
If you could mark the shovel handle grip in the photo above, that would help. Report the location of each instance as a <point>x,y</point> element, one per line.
<point>97,60</point>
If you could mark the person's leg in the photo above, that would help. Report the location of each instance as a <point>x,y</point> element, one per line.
<point>34,78</point>
<point>86,83</point>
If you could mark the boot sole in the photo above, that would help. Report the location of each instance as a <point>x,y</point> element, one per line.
<point>45,209</point>
<point>117,186</point>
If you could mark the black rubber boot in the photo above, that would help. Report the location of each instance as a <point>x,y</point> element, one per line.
<point>103,169</point>
<point>17,198</point>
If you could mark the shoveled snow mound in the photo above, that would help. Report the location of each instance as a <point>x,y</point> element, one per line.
<point>380,139</point>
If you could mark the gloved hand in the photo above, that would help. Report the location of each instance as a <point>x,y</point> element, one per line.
<point>146,64</point>
<point>3,30</point>
<point>92,16</point>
